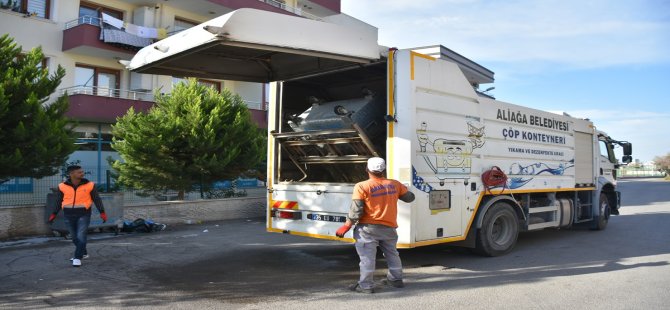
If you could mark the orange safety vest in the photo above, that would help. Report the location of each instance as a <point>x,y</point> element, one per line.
<point>79,198</point>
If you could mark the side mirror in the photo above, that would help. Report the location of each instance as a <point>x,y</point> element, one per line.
<point>627,149</point>
<point>627,159</point>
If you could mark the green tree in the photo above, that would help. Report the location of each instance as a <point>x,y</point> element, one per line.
<point>36,137</point>
<point>191,137</point>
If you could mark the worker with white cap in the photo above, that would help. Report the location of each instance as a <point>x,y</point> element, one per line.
<point>374,211</point>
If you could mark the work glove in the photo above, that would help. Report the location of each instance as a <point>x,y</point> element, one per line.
<point>52,218</point>
<point>103,216</point>
<point>342,230</point>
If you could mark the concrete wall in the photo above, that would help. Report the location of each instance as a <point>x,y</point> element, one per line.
<point>22,221</point>
<point>26,221</point>
<point>190,212</point>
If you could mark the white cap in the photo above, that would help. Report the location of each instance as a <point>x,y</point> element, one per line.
<point>376,164</point>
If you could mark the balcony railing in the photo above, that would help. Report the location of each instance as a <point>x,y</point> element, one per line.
<point>292,9</point>
<point>133,95</point>
<point>95,21</point>
<point>108,92</point>
<point>256,105</point>
<point>83,20</point>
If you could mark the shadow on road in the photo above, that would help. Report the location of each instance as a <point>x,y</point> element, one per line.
<point>283,272</point>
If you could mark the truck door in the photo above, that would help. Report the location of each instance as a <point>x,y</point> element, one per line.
<point>443,217</point>
<point>257,46</point>
<point>606,161</point>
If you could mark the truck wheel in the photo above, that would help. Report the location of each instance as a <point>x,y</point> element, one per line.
<point>604,216</point>
<point>500,229</point>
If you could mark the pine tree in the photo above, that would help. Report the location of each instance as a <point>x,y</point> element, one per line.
<point>190,138</point>
<point>35,137</point>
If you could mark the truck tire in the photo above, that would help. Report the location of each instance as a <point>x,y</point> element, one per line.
<point>499,232</point>
<point>604,216</point>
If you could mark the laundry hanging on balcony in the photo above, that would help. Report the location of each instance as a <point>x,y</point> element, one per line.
<point>109,34</point>
<point>112,21</point>
<point>115,31</point>
<point>146,32</point>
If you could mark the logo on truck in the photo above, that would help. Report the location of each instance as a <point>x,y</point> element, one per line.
<point>449,156</point>
<point>526,173</point>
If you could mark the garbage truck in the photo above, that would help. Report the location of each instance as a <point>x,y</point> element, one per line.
<point>482,170</point>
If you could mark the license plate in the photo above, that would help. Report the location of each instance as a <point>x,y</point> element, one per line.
<point>326,218</point>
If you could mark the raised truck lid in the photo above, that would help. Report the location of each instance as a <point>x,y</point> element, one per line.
<point>257,46</point>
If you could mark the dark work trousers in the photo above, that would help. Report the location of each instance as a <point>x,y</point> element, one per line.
<point>78,220</point>
<point>368,237</point>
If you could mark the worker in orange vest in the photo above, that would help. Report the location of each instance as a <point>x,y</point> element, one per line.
<point>75,196</point>
<point>374,211</point>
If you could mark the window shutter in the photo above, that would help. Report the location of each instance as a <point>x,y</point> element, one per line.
<point>39,7</point>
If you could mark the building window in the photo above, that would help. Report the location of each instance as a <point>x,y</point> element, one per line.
<point>43,64</point>
<point>91,137</point>
<point>181,24</point>
<point>94,9</point>
<point>213,84</point>
<point>39,8</point>
<point>97,81</point>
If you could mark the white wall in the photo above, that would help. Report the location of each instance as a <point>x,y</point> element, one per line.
<point>251,92</point>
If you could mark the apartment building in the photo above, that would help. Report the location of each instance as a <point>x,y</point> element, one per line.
<point>91,39</point>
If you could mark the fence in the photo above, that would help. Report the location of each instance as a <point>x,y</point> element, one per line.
<point>639,172</point>
<point>256,105</point>
<point>29,191</point>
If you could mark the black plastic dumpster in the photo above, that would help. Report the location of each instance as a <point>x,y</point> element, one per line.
<point>113,208</point>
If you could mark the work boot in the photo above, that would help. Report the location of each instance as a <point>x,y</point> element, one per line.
<point>358,289</point>
<point>396,283</point>
<point>76,262</point>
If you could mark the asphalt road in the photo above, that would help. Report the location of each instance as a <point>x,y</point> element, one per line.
<point>237,265</point>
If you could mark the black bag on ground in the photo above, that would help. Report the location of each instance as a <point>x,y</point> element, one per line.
<point>142,225</point>
<point>138,225</point>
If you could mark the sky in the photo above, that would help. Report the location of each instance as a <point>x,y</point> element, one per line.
<point>606,60</point>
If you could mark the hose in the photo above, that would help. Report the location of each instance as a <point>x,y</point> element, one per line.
<point>494,177</point>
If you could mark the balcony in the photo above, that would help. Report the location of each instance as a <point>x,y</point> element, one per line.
<point>266,5</point>
<point>291,9</point>
<point>82,36</point>
<point>98,104</point>
<point>333,6</point>
<point>259,113</point>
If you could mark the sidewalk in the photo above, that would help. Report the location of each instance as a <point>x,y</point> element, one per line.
<point>19,221</point>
